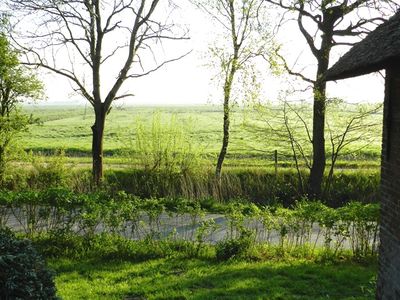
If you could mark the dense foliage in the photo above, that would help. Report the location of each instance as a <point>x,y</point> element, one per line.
<point>23,272</point>
<point>17,84</point>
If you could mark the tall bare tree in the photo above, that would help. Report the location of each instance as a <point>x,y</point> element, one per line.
<point>85,40</point>
<point>325,24</point>
<point>246,37</point>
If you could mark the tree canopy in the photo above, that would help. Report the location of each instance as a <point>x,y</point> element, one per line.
<point>17,84</point>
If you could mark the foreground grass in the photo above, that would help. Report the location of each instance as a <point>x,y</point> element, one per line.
<point>177,278</point>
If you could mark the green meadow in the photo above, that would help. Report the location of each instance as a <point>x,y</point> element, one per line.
<point>255,134</point>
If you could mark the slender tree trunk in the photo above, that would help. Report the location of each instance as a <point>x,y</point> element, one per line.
<point>227,95</point>
<point>5,116</point>
<point>225,139</point>
<point>330,174</point>
<point>97,143</point>
<point>319,156</point>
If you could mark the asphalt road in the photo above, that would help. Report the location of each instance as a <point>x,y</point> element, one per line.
<point>185,227</point>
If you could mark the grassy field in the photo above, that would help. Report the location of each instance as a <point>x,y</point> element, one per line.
<point>175,278</point>
<point>255,135</point>
<point>252,142</point>
<point>69,127</point>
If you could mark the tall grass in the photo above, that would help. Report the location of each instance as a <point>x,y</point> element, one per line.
<point>261,187</point>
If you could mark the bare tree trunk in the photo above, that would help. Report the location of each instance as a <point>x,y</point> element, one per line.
<point>225,139</point>
<point>97,143</point>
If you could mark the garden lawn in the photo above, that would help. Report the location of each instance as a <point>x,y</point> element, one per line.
<point>180,278</point>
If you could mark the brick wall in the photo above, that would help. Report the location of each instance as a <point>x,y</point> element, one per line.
<point>389,256</point>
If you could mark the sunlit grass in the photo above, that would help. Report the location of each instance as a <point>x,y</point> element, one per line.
<point>201,279</point>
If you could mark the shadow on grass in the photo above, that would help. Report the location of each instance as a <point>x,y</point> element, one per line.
<point>303,281</point>
<point>196,279</point>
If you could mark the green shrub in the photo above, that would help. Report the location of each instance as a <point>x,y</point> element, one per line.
<point>165,146</point>
<point>49,174</point>
<point>23,273</point>
<point>103,246</point>
<point>236,247</point>
<point>60,244</point>
<point>362,223</point>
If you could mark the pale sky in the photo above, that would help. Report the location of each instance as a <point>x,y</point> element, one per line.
<point>188,81</point>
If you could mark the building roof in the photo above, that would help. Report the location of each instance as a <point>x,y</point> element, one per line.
<point>377,51</point>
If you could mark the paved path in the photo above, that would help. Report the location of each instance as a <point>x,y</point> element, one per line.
<point>184,227</point>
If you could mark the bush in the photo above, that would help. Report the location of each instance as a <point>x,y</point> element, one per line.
<point>104,246</point>
<point>23,273</point>
<point>165,146</point>
<point>53,173</point>
<point>235,248</point>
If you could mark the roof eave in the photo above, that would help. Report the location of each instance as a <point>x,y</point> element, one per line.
<point>353,73</point>
<point>362,70</point>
